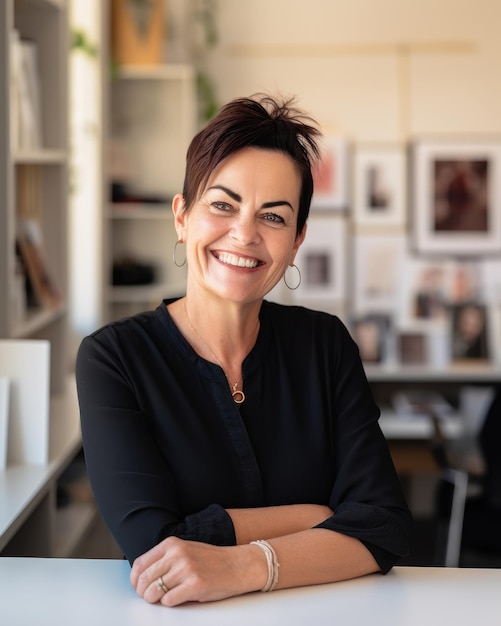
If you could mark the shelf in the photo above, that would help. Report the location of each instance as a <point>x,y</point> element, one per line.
<point>22,487</point>
<point>145,293</point>
<point>141,211</point>
<point>39,4</point>
<point>40,157</point>
<point>153,118</point>
<point>36,320</point>
<point>467,373</point>
<point>395,426</point>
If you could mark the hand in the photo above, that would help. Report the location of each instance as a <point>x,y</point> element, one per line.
<point>194,571</point>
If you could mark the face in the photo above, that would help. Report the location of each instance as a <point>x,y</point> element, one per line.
<point>240,234</point>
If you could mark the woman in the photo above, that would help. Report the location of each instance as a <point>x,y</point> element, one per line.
<point>233,444</point>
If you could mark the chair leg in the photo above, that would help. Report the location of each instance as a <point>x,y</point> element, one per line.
<point>459,480</point>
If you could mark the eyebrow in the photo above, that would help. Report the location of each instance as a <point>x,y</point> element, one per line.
<point>267,205</point>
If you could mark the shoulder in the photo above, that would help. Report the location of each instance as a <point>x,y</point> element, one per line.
<point>126,334</point>
<point>304,329</point>
<point>301,319</point>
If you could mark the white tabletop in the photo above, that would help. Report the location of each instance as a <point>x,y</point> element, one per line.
<point>97,592</point>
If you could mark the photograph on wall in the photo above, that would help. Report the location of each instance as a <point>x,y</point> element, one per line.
<point>379,185</point>
<point>431,287</point>
<point>469,332</point>
<point>321,260</point>
<point>412,347</point>
<point>370,332</point>
<point>456,189</point>
<point>377,262</point>
<point>330,177</point>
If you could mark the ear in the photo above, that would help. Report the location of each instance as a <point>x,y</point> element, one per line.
<point>297,244</point>
<point>180,216</point>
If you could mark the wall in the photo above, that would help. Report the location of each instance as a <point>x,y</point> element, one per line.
<point>377,70</point>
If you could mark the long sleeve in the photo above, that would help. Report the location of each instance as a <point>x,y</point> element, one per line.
<point>168,450</point>
<point>132,479</point>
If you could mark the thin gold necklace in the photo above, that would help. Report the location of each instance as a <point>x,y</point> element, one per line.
<point>237,394</point>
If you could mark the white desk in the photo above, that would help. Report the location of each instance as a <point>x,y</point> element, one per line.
<point>59,592</point>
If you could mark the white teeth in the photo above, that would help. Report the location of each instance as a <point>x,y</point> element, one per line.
<point>233,259</point>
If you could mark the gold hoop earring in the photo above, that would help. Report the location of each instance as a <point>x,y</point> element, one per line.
<point>298,279</point>
<point>174,255</point>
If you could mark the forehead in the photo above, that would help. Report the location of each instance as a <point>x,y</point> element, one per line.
<point>271,169</point>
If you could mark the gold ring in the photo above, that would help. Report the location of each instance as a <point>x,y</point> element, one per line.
<point>161,585</point>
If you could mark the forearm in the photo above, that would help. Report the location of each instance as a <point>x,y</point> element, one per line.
<point>194,571</point>
<point>275,521</point>
<point>320,556</point>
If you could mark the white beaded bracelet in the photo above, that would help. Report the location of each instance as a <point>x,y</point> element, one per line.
<point>273,564</point>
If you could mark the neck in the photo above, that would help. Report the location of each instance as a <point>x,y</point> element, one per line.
<point>223,342</point>
<point>229,331</point>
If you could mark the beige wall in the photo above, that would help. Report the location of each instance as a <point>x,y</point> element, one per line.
<point>375,70</point>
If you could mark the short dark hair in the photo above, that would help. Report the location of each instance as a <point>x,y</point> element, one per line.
<point>259,121</point>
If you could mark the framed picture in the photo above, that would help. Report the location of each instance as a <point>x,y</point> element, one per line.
<point>469,331</point>
<point>431,287</point>
<point>412,347</point>
<point>456,197</point>
<point>370,333</point>
<point>322,260</point>
<point>378,261</point>
<point>379,185</point>
<point>330,178</point>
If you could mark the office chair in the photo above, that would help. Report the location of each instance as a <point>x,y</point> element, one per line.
<point>469,491</point>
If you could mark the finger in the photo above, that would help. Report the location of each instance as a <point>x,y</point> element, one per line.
<point>156,590</point>
<point>146,560</point>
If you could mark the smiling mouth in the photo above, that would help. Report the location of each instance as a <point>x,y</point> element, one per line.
<point>237,261</point>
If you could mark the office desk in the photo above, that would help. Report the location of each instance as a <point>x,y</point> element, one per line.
<point>61,592</point>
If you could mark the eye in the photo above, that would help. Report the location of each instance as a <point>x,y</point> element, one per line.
<point>221,206</point>
<point>274,218</point>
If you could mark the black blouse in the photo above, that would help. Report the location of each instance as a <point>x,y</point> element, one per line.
<point>168,450</point>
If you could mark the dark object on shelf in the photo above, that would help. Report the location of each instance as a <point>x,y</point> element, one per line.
<point>131,272</point>
<point>120,193</point>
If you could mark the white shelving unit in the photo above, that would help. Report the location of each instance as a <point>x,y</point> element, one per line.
<point>152,119</point>
<point>45,23</point>
<point>31,522</point>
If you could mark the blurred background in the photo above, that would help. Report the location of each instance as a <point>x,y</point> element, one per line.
<point>404,238</point>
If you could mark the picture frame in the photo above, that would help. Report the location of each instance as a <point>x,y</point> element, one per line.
<point>370,332</point>
<point>431,287</point>
<point>456,189</point>
<point>470,332</point>
<point>379,185</point>
<point>330,177</point>
<point>321,260</point>
<point>412,347</point>
<point>377,263</point>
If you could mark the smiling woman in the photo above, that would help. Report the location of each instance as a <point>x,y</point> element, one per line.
<point>233,444</point>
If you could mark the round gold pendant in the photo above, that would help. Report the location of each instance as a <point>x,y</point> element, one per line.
<point>238,396</point>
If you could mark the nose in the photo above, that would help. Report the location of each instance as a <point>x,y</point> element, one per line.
<point>245,230</point>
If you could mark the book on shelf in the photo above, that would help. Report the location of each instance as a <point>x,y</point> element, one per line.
<point>30,244</point>
<point>40,287</point>
<point>25,117</point>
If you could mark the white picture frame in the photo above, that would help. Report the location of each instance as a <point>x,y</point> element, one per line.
<point>330,176</point>
<point>456,187</point>
<point>377,263</point>
<point>379,185</point>
<point>321,260</point>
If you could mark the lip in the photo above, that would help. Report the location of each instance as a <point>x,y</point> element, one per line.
<point>237,261</point>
